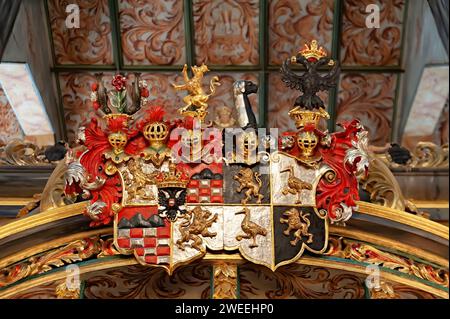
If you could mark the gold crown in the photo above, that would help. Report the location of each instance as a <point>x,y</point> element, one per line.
<point>313,51</point>
<point>156,132</point>
<point>172,178</point>
<point>302,117</point>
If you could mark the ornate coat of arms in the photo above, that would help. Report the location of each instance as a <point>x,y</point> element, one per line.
<point>174,190</point>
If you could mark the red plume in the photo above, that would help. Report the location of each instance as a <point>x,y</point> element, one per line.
<point>155,114</point>
<point>116,124</point>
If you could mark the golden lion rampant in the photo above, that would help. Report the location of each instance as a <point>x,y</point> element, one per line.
<point>196,223</point>
<point>299,222</point>
<point>245,178</point>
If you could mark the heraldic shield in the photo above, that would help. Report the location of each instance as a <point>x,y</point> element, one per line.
<point>176,191</point>
<point>270,211</point>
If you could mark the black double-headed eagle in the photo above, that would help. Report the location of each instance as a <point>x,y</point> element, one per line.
<point>310,81</point>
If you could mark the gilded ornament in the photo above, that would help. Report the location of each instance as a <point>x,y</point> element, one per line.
<point>383,291</point>
<point>64,292</point>
<point>298,222</point>
<point>194,227</point>
<point>251,181</point>
<point>76,251</point>
<point>250,229</point>
<point>366,253</point>
<point>295,185</point>
<point>196,102</point>
<point>225,281</point>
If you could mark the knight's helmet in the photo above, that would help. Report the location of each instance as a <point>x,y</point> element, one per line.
<point>156,131</point>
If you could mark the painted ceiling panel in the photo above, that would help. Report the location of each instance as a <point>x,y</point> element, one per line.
<point>368,97</point>
<point>295,22</point>
<point>152,32</point>
<point>89,44</point>
<point>75,92</point>
<point>226,32</point>
<point>372,46</point>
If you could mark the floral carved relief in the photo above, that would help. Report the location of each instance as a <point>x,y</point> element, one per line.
<point>152,32</point>
<point>361,45</point>
<point>226,32</point>
<point>137,282</point>
<point>299,282</point>
<point>89,44</point>
<point>368,97</point>
<point>292,23</point>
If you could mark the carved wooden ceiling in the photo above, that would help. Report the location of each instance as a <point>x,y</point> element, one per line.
<point>237,39</point>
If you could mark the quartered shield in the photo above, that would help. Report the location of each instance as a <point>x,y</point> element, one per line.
<point>270,212</point>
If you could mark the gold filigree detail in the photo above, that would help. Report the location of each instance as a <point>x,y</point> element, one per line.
<point>362,252</point>
<point>245,178</point>
<point>294,185</point>
<point>196,101</point>
<point>64,292</point>
<point>225,281</point>
<point>250,229</point>
<point>383,291</point>
<point>196,223</point>
<point>298,222</point>
<point>140,282</point>
<point>73,252</point>
<point>53,194</point>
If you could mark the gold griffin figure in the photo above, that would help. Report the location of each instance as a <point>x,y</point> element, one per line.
<point>196,101</point>
<point>294,185</point>
<point>250,229</point>
<point>245,178</point>
<point>299,222</point>
<point>196,222</point>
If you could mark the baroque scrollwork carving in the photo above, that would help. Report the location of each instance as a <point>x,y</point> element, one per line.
<point>62,291</point>
<point>362,252</point>
<point>137,282</point>
<point>384,188</point>
<point>424,155</point>
<point>21,153</point>
<point>299,281</point>
<point>73,252</point>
